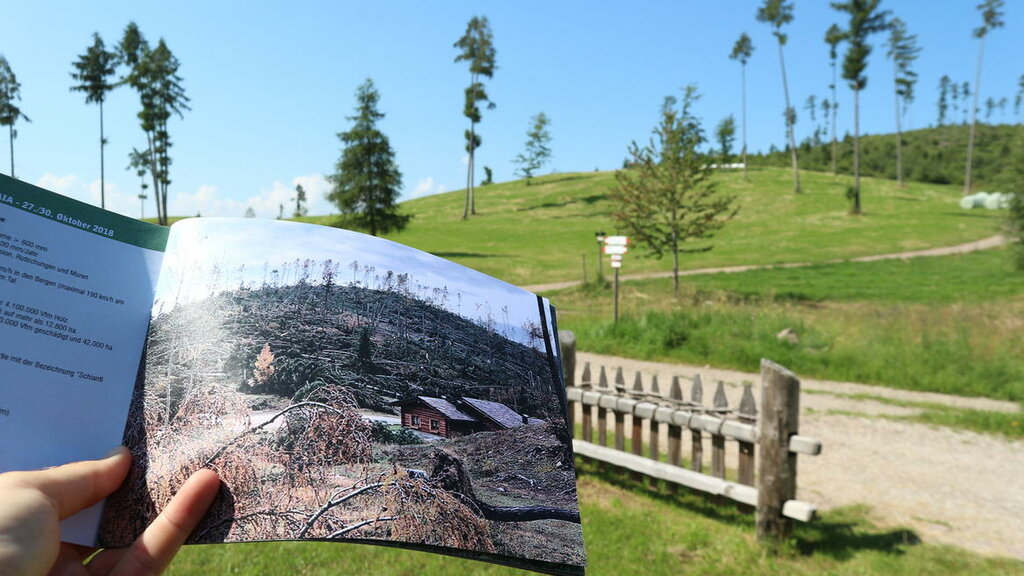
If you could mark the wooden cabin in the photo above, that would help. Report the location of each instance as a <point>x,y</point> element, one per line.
<point>458,416</point>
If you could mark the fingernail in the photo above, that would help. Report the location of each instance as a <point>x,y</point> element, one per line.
<point>117,450</point>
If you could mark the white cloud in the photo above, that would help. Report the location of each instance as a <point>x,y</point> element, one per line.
<point>66,185</point>
<point>426,187</point>
<point>209,200</point>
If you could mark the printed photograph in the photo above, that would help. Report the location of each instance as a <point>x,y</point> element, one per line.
<point>363,391</point>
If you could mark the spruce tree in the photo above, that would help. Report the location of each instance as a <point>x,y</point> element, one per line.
<point>903,51</point>
<point>538,148</point>
<point>742,50</point>
<point>10,92</point>
<point>778,13</point>
<point>92,71</point>
<point>865,19</point>
<point>476,46</point>
<point>992,18</point>
<point>366,181</point>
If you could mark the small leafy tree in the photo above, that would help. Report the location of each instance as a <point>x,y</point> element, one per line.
<point>366,180</point>
<point>10,92</point>
<point>667,197</point>
<point>476,46</point>
<point>903,51</point>
<point>92,71</point>
<point>992,18</point>
<point>725,133</point>
<point>538,148</point>
<point>742,51</point>
<point>778,13</point>
<point>865,19</point>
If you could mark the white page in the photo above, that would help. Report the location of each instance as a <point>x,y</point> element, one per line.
<point>74,310</point>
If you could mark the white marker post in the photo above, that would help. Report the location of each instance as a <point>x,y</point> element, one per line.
<point>615,247</point>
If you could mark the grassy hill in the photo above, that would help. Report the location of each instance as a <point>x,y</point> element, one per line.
<point>934,155</point>
<point>544,232</point>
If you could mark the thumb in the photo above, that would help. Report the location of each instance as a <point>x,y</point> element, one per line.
<point>76,486</point>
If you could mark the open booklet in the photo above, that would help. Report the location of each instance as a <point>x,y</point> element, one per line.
<point>342,386</point>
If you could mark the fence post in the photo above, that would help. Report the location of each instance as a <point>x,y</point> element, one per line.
<point>567,347</point>
<point>602,413</point>
<point>586,409</point>
<point>748,415</point>
<point>675,433</point>
<point>780,412</point>
<point>717,440</point>
<point>697,442</point>
<point>637,422</point>
<point>654,394</point>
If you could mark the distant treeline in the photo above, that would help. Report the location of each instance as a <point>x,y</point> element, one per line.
<point>935,155</point>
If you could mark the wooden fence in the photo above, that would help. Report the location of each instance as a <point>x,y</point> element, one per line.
<point>767,440</point>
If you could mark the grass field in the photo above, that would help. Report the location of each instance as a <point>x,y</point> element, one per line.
<point>541,233</point>
<point>630,530</point>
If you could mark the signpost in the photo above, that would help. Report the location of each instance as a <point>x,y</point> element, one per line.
<point>615,247</point>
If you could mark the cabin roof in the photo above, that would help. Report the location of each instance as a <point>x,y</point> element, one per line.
<point>495,411</point>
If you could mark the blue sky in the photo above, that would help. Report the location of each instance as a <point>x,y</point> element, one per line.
<point>271,84</point>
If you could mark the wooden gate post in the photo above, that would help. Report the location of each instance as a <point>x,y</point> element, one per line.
<point>776,482</point>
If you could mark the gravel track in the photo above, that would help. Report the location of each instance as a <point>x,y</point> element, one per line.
<point>948,486</point>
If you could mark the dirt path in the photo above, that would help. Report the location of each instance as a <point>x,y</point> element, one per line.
<point>982,244</point>
<point>948,486</point>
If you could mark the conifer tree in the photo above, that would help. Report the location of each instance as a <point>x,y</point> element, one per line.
<point>92,71</point>
<point>742,51</point>
<point>366,180</point>
<point>833,36</point>
<point>903,51</point>
<point>865,19</point>
<point>10,113</point>
<point>992,18</point>
<point>476,46</point>
<point>778,13</point>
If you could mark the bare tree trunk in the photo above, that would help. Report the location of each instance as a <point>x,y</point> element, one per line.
<point>103,181</point>
<point>835,106</point>
<point>789,125</point>
<point>899,135</point>
<point>856,152</point>
<point>974,120</point>
<point>743,77</point>
<point>11,132</point>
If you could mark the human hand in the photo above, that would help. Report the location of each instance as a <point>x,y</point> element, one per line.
<point>32,504</point>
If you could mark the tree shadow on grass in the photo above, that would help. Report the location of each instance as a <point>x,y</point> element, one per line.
<point>838,534</point>
<point>592,199</point>
<point>449,255</point>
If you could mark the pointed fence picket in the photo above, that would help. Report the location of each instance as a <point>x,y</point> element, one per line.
<point>767,442</point>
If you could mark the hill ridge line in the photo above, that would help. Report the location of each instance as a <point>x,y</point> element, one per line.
<point>976,245</point>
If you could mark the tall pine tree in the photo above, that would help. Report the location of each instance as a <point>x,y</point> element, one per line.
<point>92,72</point>
<point>742,50</point>
<point>992,18</point>
<point>10,92</point>
<point>366,180</point>
<point>476,46</point>
<point>833,36</point>
<point>903,50</point>
<point>865,19</point>
<point>778,13</point>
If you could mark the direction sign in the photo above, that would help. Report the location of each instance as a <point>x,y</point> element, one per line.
<point>615,249</point>
<point>616,264</point>
<point>616,241</point>
<point>616,257</point>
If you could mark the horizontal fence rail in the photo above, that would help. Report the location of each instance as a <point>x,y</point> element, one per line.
<point>767,442</point>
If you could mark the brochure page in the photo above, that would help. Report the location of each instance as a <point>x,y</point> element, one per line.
<point>345,387</point>
<point>76,287</point>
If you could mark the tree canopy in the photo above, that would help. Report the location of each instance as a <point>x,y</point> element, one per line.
<point>92,71</point>
<point>667,198</point>
<point>10,113</point>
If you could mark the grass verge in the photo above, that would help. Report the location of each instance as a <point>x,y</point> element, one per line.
<point>631,530</point>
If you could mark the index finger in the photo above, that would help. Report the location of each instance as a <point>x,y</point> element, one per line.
<point>76,486</point>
